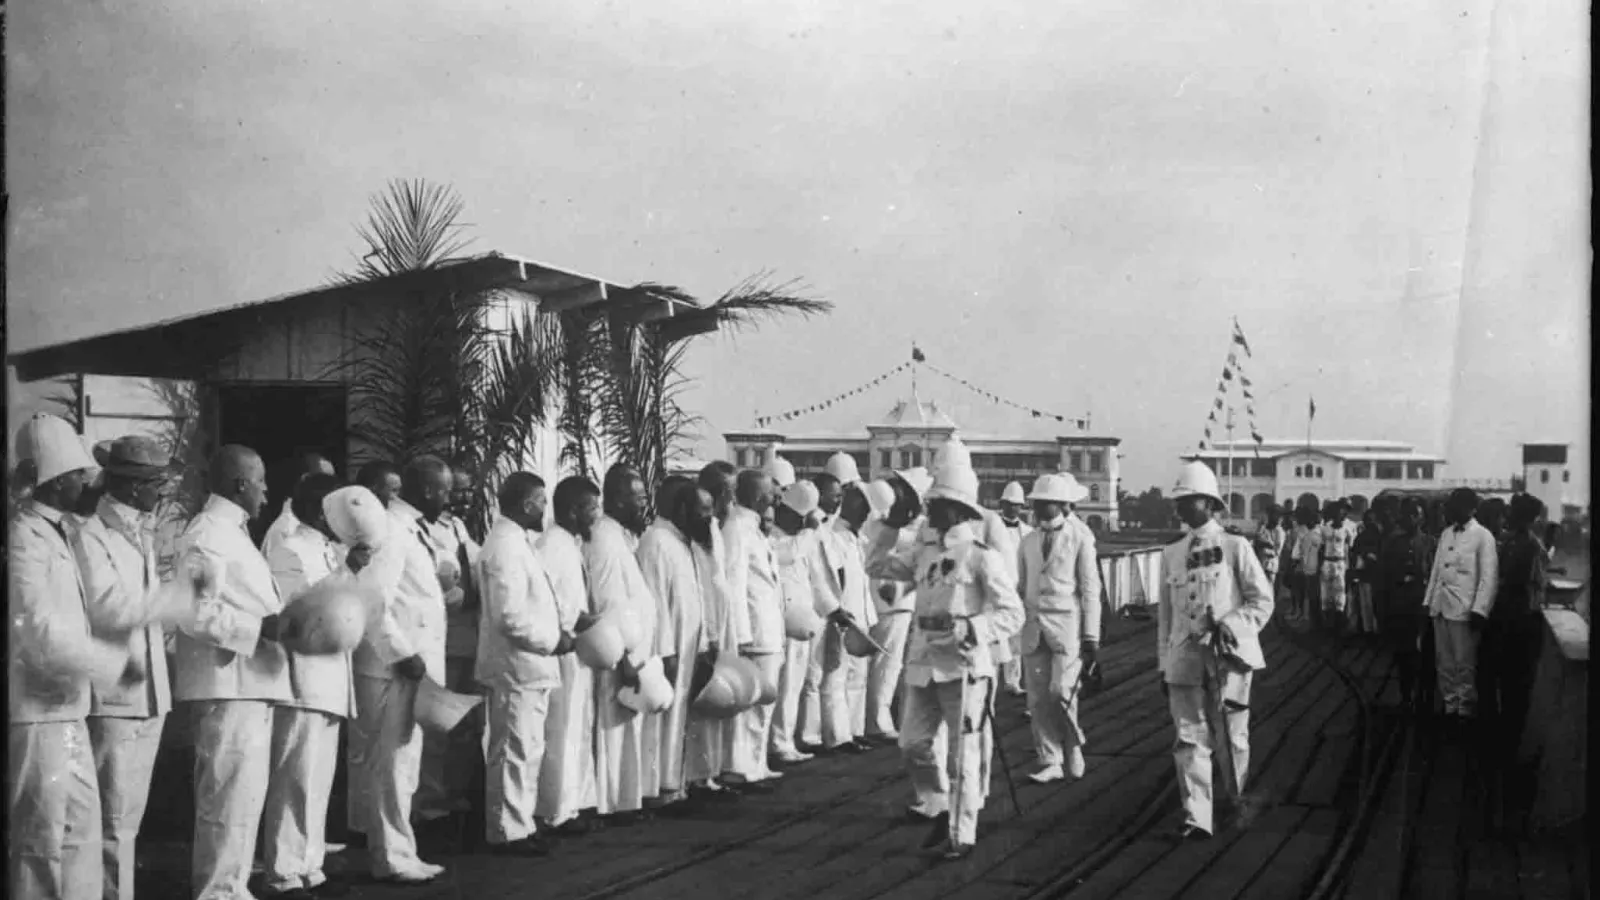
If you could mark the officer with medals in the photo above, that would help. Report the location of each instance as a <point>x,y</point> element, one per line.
<point>1215,599</point>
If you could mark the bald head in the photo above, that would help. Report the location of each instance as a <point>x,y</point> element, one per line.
<point>717,479</point>
<point>238,475</point>
<point>754,490</point>
<point>426,484</point>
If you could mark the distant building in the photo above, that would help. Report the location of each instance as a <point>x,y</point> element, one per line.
<point>911,433</point>
<point>1281,472</point>
<point>1545,475</point>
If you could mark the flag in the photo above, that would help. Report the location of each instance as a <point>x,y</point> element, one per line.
<point>1313,413</point>
<point>916,354</point>
<point>1238,338</point>
<point>1227,374</point>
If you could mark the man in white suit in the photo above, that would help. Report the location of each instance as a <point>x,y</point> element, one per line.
<point>1060,589</point>
<point>1007,538</point>
<point>1215,599</point>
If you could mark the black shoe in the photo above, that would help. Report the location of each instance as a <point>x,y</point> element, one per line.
<point>813,749</point>
<point>355,840</point>
<point>750,787</point>
<point>939,833</point>
<point>864,745</point>
<point>954,851</point>
<point>914,817</point>
<point>1193,833</point>
<point>849,749</point>
<point>333,887</point>
<point>535,845</point>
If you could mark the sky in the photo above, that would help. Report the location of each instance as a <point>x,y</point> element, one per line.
<point>1066,204</point>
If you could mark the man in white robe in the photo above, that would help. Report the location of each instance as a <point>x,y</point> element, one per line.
<point>404,643</point>
<point>679,575</point>
<point>567,779</point>
<point>625,751</point>
<point>305,730</point>
<point>519,638</point>
<point>753,578</point>
<point>53,800</point>
<point>802,579</point>
<point>115,554</point>
<point>847,582</point>
<point>232,670</point>
<point>286,524</point>
<point>896,602</point>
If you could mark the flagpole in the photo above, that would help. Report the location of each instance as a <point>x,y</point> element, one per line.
<point>1228,426</point>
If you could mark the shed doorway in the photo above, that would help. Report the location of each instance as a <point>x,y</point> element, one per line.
<point>280,422</point>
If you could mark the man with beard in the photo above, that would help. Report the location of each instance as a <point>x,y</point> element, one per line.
<point>54,811</point>
<point>676,557</point>
<point>116,558</point>
<point>517,649</point>
<point>753,580</point>
<point>567,779</point>
<point>708,742</point>
<point>624,740</point>
<point>404,644</point>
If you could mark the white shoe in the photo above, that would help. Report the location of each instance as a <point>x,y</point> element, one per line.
<point>1047,775</point>
<point>1075,764</point>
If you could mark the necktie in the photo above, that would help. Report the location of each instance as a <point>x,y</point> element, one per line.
<point>1049,541</point>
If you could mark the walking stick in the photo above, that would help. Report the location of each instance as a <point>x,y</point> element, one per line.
<point>1000,750</point>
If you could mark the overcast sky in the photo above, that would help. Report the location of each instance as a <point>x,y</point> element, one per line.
<point>1065,203</point>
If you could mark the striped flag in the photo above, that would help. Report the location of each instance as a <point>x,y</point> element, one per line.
<point>1313,413</point>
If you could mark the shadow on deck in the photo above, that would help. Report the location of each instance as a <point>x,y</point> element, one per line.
<point>1348,800</point>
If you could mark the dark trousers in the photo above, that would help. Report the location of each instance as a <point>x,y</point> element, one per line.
<point>1507,659</point>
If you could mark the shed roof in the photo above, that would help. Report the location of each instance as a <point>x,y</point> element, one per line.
<point>171,347</point>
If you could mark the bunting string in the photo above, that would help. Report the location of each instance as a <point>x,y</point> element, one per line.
<point>1081,424</point>
<point>1233,373</point>
<point>790,415</point>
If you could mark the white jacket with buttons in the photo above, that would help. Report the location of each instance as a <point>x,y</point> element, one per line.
<point>123,591</point>
<point>1209,577</point>
<point>1061,593</point>
<point>521,623</point>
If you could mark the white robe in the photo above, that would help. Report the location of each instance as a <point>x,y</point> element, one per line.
<point>567,778</point>
<point>674,572</point>
<point>625,741</point>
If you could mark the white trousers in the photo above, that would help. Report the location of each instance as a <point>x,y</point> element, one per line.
<point>932,722</point>
<point>305,753</point>
<point>393,762</point>
<point>233,756</point>
<point>124,761</point>
<point>357,742</point>
<point>855,689</point>
<point>791,683</point>
<point>1204,716</point>
<point>621,756</point>
<point>1333,586</point>
<point>566,780</point>
<point>1053,705</point>
<point>825,700</point>
<point>517,718</point>
<point>1456,659</point>
<point>53,813</point>
<point>883,676</point>
<point>745,753</point>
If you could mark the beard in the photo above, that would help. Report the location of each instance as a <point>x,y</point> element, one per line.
<point>699,531</point>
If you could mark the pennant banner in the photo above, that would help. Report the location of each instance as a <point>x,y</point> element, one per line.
<point>1233,372</point>
<point>1081,424</point>
<point>764,421</point>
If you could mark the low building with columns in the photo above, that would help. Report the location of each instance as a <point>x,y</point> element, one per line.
<point>911,432</point>
<point>1280,472</point>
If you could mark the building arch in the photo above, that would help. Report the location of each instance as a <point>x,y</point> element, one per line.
<point>1359,503</point>
<point>1308,499</point>
<point>1236,505</point>
<point>1094,493</point>
<point>1259,504</point>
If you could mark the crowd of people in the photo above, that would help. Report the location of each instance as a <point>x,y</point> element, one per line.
<point>632,667</point>
<point>1453,588</point>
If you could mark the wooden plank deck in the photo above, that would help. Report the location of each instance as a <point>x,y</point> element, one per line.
<point>832,829</point>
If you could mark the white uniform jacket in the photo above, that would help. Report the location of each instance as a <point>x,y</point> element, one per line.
<point>1007,539</point>
<point>730,617</point>
<point>301,560</point>
<point>1209,577</point>
<point>521,622</point>
<point>847,572</point>
<point>221,655</point>
<point>803,571</point>
<point>1062,593</point>
<point>1465,573</point>
<point>410,621</point>
<point>124,591</point>
<point>959,577</point>
<point>284,525</point>
<point>449,537</point>
<point>618,589</point>
<point>54,656</point>
<point>753,578</point>
<point>561,553</point>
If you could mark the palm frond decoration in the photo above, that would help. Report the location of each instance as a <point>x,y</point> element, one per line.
<point>181,434</point>
<point>582,346</point>
<point>66,400</point>
<point>414,225</point>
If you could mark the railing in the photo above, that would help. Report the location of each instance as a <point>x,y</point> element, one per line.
<point>1130,577</point>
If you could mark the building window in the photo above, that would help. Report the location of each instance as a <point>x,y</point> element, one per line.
<point>1319,471</point>
<point>1544,476</point>
<point>885,459</point>
<point>1264,468</point>
<point>1236,505</point>
<point>1387,471</point>
<point>1096,461</point>
<point>1421,471</point>
<point>1358,469</point>
<point>1074,461</point>
<point>1094,493</point>
<point>1298,470</point>
<point>1566,476</point>
<point>910,459</point>
<point>863,460</point>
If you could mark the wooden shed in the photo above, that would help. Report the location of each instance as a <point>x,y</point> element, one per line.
<point>269,371</point>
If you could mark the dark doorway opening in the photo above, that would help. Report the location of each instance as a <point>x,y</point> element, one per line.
<point>282,422</point>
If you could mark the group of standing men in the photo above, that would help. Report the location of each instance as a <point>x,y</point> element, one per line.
<point>1454,591</point>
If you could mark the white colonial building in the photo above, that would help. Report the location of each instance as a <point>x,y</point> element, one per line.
<point>1280,472</point>
<point>912,431</point>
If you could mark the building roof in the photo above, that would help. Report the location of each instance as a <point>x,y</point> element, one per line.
<point>914,412</point>
<point>167,349</point>
<point>1377,451</point>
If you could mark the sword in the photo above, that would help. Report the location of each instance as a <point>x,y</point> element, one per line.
<point>1000,750</point>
